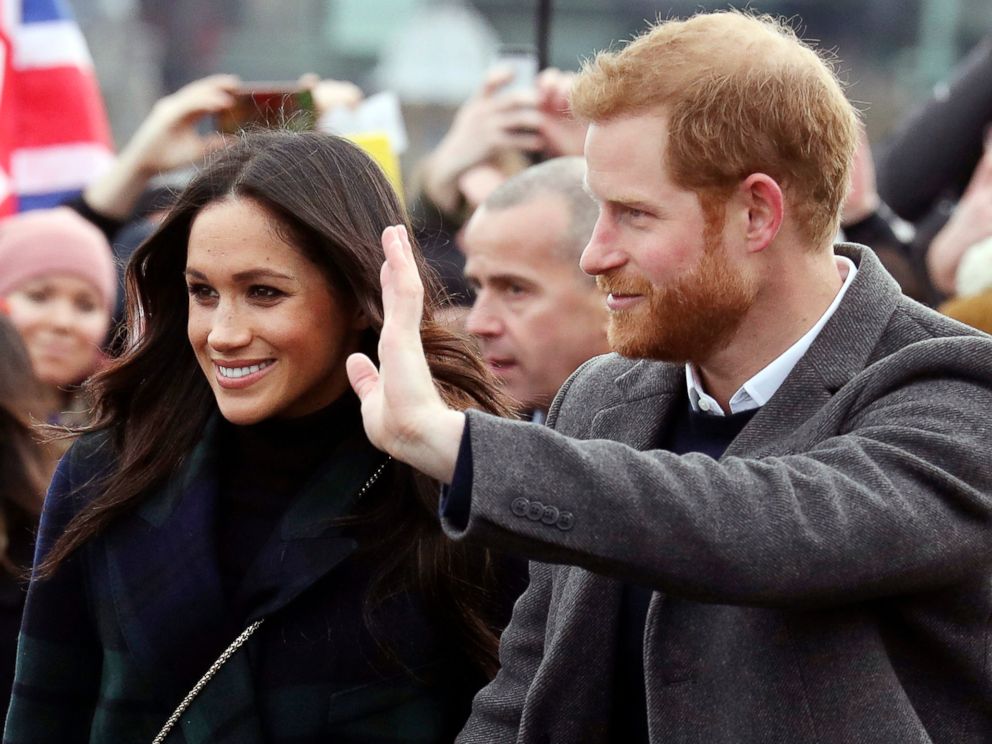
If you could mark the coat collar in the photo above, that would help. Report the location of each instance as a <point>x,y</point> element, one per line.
<point>162,565</point>
<point>842,350</point>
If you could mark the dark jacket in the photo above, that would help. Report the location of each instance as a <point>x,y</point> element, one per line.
<point>827,581</point>
<point>114,640</point>
<point>935,150</point>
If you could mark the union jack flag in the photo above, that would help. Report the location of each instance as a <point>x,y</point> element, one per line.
<point>54,135</point>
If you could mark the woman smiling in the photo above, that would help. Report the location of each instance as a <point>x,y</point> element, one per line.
<point>226,505</point>
<point>57,277</point>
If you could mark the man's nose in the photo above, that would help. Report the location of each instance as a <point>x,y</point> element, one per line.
<point>602,253</point>
<point>483,319</point>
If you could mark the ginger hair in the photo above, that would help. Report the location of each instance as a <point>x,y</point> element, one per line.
<point>741,94</point>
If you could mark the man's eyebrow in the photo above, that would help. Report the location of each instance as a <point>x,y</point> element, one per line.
<point>629,202</point>
<point>632,202</point>
<point>244,276</point>
<point>504,279</point>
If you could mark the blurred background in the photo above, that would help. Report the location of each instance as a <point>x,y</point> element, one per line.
<point>434,53</point>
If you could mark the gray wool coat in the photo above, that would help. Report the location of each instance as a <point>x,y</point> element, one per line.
<point>828,580</point>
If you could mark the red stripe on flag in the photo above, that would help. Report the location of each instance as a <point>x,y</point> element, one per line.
<point>58,105</point>
<point>8,202</point>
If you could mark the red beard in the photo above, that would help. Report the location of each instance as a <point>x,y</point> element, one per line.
<point>687,321</point>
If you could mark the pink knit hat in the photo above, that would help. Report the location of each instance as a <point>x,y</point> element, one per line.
<point>55,241</point>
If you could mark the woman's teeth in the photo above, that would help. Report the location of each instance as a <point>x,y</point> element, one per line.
<point>236,372</point>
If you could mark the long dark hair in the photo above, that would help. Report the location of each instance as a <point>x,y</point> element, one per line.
<point>24,461</point>
<point>331,201</point>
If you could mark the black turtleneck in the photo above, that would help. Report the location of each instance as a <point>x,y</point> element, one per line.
<point>262,468</point>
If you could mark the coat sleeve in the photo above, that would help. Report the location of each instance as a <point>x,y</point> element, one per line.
<point>896,497</point>
<point>57,674</point>
<point>497,708</point>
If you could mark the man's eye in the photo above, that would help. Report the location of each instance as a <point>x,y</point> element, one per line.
<point>515,290</point>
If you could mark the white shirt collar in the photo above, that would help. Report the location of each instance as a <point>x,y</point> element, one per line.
<point>759,389</point>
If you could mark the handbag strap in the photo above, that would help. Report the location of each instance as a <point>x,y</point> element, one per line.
<point>214,668</point>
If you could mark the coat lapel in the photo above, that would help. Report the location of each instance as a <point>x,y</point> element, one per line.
<point>649,391</point>
<point>163,574</point>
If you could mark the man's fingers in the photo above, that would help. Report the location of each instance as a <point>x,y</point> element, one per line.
<point>362,375</point>
<point>402,289</point>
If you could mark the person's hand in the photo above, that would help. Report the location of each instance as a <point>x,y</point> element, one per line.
<point>167,139</point>
<point>862,199</point>
<point>331,94</point>
<point>970,223</point>
<point>402,412</point>
<point>563,133</point>
<point>491,122</point>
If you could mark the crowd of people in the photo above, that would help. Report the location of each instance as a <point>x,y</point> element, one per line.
<point>656,411</point>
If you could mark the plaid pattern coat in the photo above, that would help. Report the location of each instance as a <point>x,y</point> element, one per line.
<point>112,643</point>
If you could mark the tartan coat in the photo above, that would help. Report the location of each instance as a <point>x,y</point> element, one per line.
<point>828,580</point>
<point>115,639</point>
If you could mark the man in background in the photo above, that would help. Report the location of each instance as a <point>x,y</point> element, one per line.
<point>536,315</point>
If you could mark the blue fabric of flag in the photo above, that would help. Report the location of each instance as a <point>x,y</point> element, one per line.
<point>37,11</point>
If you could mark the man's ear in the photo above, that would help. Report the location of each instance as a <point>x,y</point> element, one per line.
<point>762,197</point>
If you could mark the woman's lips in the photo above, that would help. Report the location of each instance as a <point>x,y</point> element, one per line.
<point>237,375</point>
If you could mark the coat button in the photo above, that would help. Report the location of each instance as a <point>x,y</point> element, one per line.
<point>566,521</point>
<point>519,506</point>
<point>550,515</point>
<point>535,511</point>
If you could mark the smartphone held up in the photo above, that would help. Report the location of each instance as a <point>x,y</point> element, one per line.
<point>521,61</point>
<point>269,106</point>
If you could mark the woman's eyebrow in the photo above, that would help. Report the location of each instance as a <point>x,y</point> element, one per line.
<point>252,275</point>
<point>243,276</point>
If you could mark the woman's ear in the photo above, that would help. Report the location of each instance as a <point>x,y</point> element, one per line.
<point>360,321</point>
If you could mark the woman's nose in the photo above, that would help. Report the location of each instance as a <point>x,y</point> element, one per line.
<point>229,331</point>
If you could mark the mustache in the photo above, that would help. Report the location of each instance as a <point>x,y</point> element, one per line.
<point>618,284</point>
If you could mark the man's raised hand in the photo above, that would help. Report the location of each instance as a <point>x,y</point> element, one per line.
<point>402,411</point>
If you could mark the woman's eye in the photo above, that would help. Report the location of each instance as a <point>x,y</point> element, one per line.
<point>38,295</point>
<point>200,292</point>
<point>261,292</point>
<point>85,305</point>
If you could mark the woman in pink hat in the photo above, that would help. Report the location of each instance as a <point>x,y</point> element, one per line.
<point>58,281</point>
